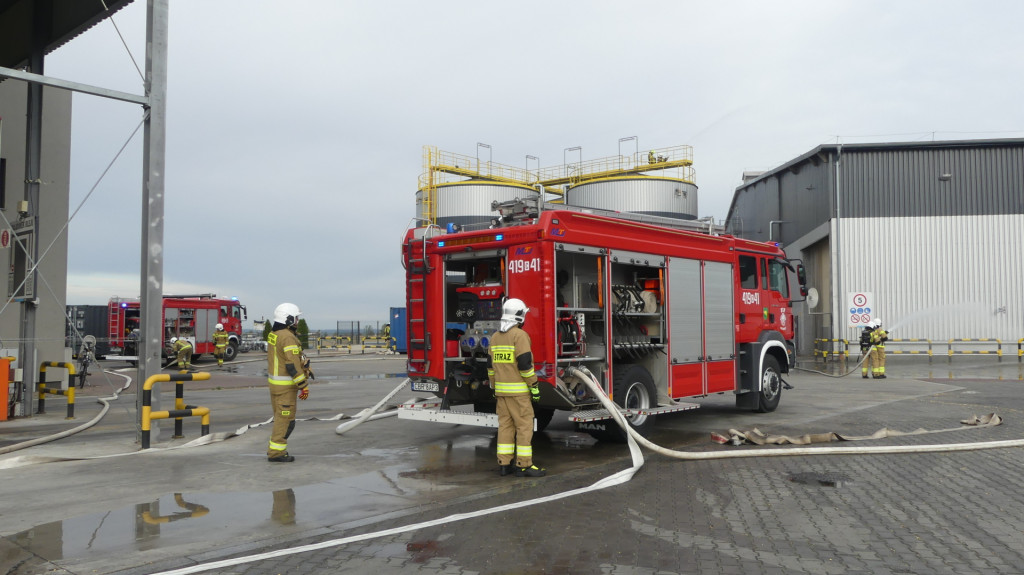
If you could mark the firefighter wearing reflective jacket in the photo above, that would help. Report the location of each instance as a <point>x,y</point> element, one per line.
<point>287,377</point>
<point>865,350</point>
<point>510,373</point>
<point>182,348</point>
<point>878,339</point>
<point>220,343</point>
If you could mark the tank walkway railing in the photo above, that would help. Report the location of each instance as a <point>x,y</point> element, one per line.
<point>69,392</point>
<point>839,349</point>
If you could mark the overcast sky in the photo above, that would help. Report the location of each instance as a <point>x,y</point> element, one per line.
<point>295,130</point>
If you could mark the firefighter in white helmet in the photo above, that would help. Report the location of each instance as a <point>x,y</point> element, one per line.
<point>182,348</point>
<point>220,343</point>
<point>286,375</point>
<point>878,339</point>
<point>510,373</point>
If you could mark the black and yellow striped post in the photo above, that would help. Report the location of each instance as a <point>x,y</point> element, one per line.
<point>180,409</point>
<point>69,392</point>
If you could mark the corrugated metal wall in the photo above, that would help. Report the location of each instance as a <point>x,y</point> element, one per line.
<point>938,278</point>
<point>932,229</point>
<point>932,182</point>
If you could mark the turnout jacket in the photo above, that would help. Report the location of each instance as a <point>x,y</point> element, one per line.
<point>510,363</point>
<point>284,359</point>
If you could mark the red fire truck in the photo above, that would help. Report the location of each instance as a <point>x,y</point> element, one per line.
<point>656,312</point>
<point>193,317</point>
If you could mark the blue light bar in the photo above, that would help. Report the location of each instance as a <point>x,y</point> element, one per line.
<point>440,244</point>
<point>499,237</point>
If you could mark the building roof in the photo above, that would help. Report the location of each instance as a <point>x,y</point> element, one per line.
<point>818,154</point>
<point>62,20</point>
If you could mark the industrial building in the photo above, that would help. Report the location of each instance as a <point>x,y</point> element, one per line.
<point>923,235</point>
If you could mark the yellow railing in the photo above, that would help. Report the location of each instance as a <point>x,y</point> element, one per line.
<point>69,392</point>
<point>440,168</point>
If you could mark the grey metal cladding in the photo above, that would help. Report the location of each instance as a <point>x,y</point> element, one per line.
<point>685,327</point>
<point>939,181</point>
<point>718,313</point>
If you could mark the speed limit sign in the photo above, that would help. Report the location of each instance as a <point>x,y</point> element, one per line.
<point>859,308</point>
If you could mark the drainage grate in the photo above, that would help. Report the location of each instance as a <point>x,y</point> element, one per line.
<point>824,479</point>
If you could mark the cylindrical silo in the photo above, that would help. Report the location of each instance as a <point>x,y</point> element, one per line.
<point>468,203</point>
<point>667,197</point>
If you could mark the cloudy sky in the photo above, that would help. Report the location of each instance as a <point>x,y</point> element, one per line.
<point>296,130</point>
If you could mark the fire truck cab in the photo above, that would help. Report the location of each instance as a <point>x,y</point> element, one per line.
<point>192,317</point>
<point>657,313</point>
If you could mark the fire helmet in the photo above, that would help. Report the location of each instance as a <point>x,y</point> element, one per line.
<point>287,314</point>
<point>219,326</point>
<point>174,340</point>
<point>513,312</point>
<point>877,324</point>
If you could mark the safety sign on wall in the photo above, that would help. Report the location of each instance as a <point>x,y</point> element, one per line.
<point>860,307</point>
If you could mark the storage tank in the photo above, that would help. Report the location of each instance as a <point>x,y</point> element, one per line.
<point>666,197</point>
<point>468,203</point>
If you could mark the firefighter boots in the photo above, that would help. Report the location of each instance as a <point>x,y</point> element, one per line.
<point>504,470</point>
<point>283,458</point>
<point>531,471</point>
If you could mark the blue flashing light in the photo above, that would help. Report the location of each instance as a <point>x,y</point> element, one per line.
<point>234,298</point>
<point>471,341</point>
<point>440,244</point>
<point>485,342</point>
<point>123,304</point>
<point>499,237</point>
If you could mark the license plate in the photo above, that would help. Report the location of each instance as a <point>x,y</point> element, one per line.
<point>425,386</point>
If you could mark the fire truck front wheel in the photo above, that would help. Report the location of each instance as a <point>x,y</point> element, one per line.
<point>771,386</point>
<point>231,351</point>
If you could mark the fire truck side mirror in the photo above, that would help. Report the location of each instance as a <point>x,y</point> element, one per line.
<point>801,276</point>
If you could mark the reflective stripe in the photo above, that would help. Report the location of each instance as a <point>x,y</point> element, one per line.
<point>278,446</point>
<point>524,450</point>
<point>528,374</point>
<point>516,387</point>
<point>292,348</point>
<point>280,380</point>
<point>506,448</point>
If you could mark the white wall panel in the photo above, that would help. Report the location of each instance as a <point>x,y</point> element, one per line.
<point>938,278</point>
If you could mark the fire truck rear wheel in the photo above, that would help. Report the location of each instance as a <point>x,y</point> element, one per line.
<point>771,386</point>
<point>231,351</point>
<point>633,388</point>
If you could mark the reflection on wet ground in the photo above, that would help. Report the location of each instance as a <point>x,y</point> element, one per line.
<point>187,518</point>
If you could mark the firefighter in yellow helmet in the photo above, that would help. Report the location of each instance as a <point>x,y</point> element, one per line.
<point>510,373</point>
<point>182,348</point>
<point>878,339</point>
<point>220,343</point>
<point>286,375</point>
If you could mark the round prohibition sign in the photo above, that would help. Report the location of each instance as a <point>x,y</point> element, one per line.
<point>860,300</point>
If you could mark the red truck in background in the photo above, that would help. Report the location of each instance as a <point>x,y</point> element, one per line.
<point>193,317</point>
<point>658,313</point>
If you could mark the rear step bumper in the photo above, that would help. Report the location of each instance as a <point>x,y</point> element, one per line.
<point>431,411</point>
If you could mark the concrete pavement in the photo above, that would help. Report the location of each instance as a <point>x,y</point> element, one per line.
<point>166,509</point>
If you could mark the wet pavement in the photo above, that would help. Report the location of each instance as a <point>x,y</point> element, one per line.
<point>94,503</point>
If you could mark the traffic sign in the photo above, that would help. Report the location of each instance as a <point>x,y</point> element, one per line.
<point>859,304</point>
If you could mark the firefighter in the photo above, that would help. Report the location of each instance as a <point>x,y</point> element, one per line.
<point>878,338</point>
<point>865,349</point>
<point>287,378</point>
<point>510,373</point>
<point>220,343</point>
<point>182,348</point>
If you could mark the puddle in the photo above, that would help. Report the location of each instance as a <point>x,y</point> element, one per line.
<point>198,517</point>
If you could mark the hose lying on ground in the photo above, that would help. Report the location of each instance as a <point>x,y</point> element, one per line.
<point>68,432</point>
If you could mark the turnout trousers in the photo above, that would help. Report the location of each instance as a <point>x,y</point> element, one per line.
<point>515,429</point>
<point>282,400</point>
